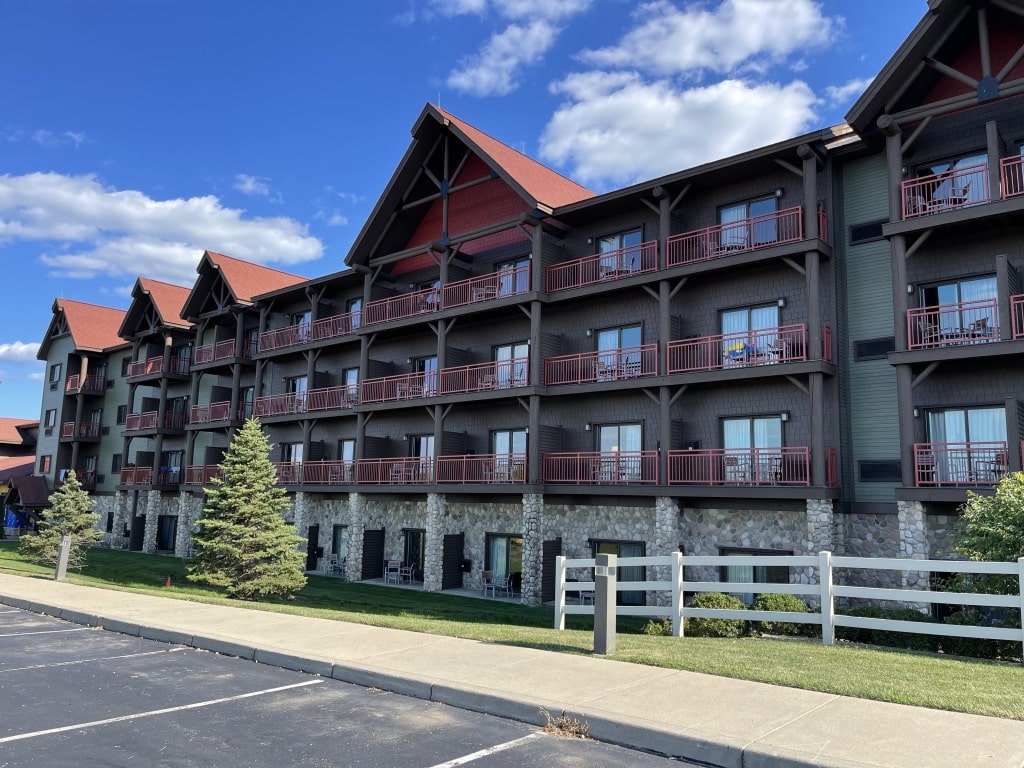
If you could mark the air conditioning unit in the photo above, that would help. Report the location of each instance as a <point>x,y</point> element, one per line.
<point>48,431</point>
<point>53,386</point>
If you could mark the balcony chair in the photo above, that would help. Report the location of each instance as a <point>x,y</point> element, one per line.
<point>980,329</point>
<point>487,381</point>
<point>393,571</point>
<point>496,584</point>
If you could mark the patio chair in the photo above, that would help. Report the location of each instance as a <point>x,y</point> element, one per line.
<point>393,572</point>
<point>498,584</point>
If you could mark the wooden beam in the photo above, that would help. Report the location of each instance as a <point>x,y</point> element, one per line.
<point>923,375</point>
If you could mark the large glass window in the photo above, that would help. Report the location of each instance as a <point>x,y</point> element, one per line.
<point>620,446</point>
<point>55,370</point>
<point>753,574</point>
<point>421,446</point>
<point>414,550</point>
<point>513,276</point>
<point>748,223</point>
<point>968,443</point>
<point>749,333</point>
<point>619,351</point>
<point>504,557</point>
<point>966,305</point>
<point>297,386</point>
<point>246,395</point>
<point>339,542</point>
<point>428,367</point>
<point>346,450</point>
<point>628,572</point>
<point>505,444</point>
<point>512,360</point>
<point>752,448</point>
<point>291,452</point>
<point>301,321</point>
<point>623,249</point>
<point>958,181</point>
<point>50,419</point>
<point>355,308</point>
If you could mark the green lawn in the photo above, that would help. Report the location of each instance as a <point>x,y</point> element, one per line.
<point>927,680</point>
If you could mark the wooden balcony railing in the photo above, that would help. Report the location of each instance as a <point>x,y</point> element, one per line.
<point>399,307</point>
<point>611,265</point>
<point>93,384</point>
<point>480,377</point>
<point>1017,316</point>
<point>945,191</point>
<point>394,471</point>
<point>403,387</point>
<point>603,365</point>
<point>201,474</point>
<point>280,405</point>
<point>959,464</point>
<point>1011,176</point>
<point>485,468</point>
<point>965,322</point>
<point>741,236</point>
<point>783,465</point>
<point>204,414</point>
<point>284,337</point>
<point>486,287</point>
<point>328,398</point>
<point>784,344</point>
<point>601,468</point>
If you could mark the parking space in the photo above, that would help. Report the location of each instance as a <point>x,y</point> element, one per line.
<point>80,696</point>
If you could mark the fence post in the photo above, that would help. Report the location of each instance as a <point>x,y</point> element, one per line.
<point>828,609</point>
<point>1020,596</point>
<point>677,594</point>
<point>560,592</point>
<point>605,593</point>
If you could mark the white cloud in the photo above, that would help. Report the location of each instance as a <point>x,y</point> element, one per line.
<point>844,95</point>
<point>38,376</point>
<point>47,138</point>
<point>738,33</point>
<point>252,185</point>
<point>617,129</point>
<point>18,351</point>
<point>89,230</point>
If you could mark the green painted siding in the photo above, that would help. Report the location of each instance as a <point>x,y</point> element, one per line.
<point>874,416</point>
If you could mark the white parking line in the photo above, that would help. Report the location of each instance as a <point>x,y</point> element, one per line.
<point>152,713</point>
<point>48,632</point>
<point>489,751</point>
<point>87,661</point>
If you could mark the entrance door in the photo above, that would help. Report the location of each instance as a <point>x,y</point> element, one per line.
<point>451,560</point>
<point>313,550</point>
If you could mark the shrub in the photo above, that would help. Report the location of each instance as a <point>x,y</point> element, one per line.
<point>909,640</point>
<point>978,647</point>
<point>697,627</point>
<point>658,627</point>
<point>768,601</point>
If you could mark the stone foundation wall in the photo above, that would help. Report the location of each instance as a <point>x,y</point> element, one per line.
<point>476,520</point>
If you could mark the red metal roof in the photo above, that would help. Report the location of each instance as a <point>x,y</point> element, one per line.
<point>247,279</point>
<point>92,327</point>
<point>16,466</point>
<point>9,429</point>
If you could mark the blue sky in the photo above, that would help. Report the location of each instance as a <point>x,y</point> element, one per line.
<point>134,135</point>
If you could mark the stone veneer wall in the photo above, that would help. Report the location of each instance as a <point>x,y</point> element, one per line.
<point>868,535</point>
<point>476,520</point>
<point>190,509</point>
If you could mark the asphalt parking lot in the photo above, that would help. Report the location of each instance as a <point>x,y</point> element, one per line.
<point>78,696</point>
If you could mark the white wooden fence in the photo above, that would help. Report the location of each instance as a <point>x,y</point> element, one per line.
<point>824,593</point>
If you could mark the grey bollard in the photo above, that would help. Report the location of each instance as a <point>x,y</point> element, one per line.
<point>604,604</point>
<point>63,553</point>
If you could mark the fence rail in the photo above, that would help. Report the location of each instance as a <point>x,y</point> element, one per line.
<point>824,592</point>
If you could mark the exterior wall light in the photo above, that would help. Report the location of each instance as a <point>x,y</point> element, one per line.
<point>784,416</point>
<point>782,301</point>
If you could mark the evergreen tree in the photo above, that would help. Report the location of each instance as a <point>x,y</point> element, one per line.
<point>243,543</point>
<point>70,514</point>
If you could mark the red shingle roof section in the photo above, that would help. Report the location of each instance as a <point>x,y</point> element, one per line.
<point>247,279</point>
<point>9,429</point>
<point>540,182</point>
<point>92,327</point>
<point>16,466</point>
<point>169,299</point>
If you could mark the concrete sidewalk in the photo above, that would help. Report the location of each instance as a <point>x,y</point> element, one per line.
<point>715,720</point>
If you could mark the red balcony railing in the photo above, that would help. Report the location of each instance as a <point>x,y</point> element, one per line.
<point>87,429</point>
<point>784,344</point>
<point>956,464</point>
<point>335,326</point>
<point>402,387</point>
<point>86,478</point>
<point>137,476</point>
<point>501,374</point>
<point>611,265</point>
<point>93,384</point>
<point>201,474</point>
<point>154,365</point>
<point>1017,316</point>
<point>601,468</point>
<point>284,337</point>
<point>136,421</point>
<point>770,229</point>
<point>603,365</point>
<point>965,322</point>
<point>496,285</point>
<point>788,465</point>
<point>279,405</point>
<point>1011,176</point>
<point>945,191</point>
<point>328,398</point>
<point>327,472</point>
<point>67,429</point>
<point>487,468</point>
<point>204,414</point>
<point>223,350</point>
<point>399,307</point>
<point>395,471</point>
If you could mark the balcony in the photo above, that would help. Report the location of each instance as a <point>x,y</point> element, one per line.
<point>137,476</point>
<point>223,350</point>
<point>154,366</point>
<point>284,337</point>
<point>765,346</point>
<point>786,465</point>
<point>330,398</point>
<point>496,285</point>
<point>602,468</point>
<point>602,267</point>
<point>202,474</point>
<point>326,472</point>
<point>400,307</point>
<point>403,387</point>
<point>943,325</point>
<point>959,464</point>
<point>335,326</point>
<point>482,377</point>
<point>204,414</point>
<point>1011,176</point>
<point>87,430</point>
<point>740,236</point>
<point>946,191</point>
<point>93,384</point>
<point>603,365</point>
<point>1017,316</point>
<point>484,468</point>
<point>87,478</point>
<point>394,471</point>
<point>280,405</point>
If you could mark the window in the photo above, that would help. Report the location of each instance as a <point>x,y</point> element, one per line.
<point>350,380</point>
<point>50,419</point>
<point>753,449</point>
<point>513,276</point>
<point>355,308</point>
<point>625,573</point>
<point>959,181</point>
<point>421,446</point>
<point>428,367</point>
<point>45,462</point>
<point>503,556</point>
<point>867,232</point>
<point>753,574</point>
<point>511,365</point>
<point>880,471</point>
<point>413,551</point>
<point>339,542</point>
<point>166,532</point>
<point>122,414</point>
<point>302,322</point>
<point>747,224</point>
<point>966,441</point>
<point>291,452</point>
<point>619,352</point>
<point>55,371</point>
<point>245,401</point>
<point>506,444</point>
<point>297,386</point>
<point>873,349</point>
<point>115,463</point>
<point>346,450</point>
<point>964,304</point>
<point>125,363</point>
<point>624,252</point>
<point>749,334</point>
<point>620,446</point>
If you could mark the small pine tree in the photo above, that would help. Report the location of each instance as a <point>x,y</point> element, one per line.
<point>242,542</point>
<point>70,514</point>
